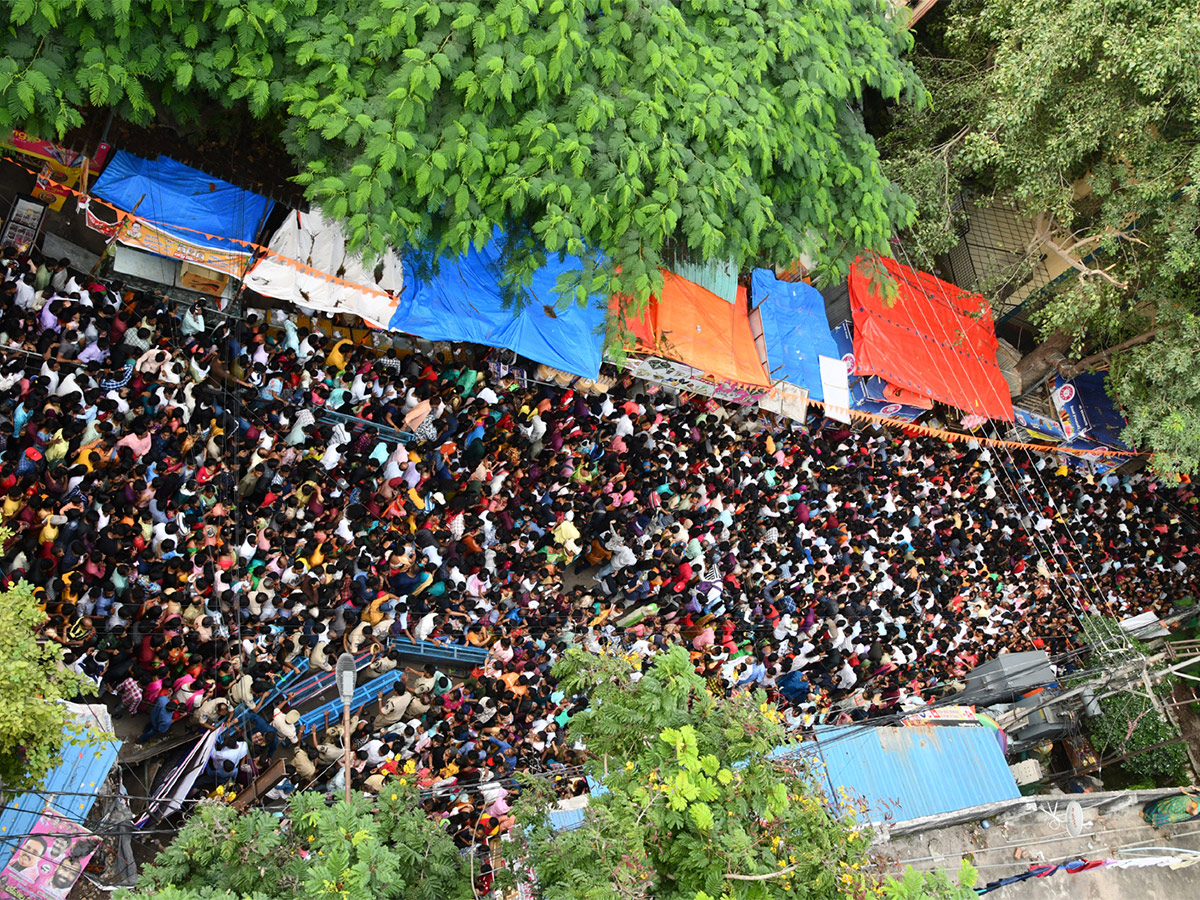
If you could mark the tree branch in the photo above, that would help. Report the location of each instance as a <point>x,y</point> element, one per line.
<point>1070,370</point>
<point>785,871</point>
<point>1068,252</point>
<point>1085,271</point>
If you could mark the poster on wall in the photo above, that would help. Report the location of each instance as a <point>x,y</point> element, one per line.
<point>49,861</point>
<point>24,222</point>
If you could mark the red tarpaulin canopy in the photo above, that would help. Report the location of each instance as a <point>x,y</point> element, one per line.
<point>933,338</point>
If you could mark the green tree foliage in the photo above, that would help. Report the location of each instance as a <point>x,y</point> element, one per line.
<point>933,885</point>
<point>615,131</point>
<point>1130,724</point>
<point>694,807</point>
<point>364,850</point>
<point>33,724</point>
<point>1083,112</point>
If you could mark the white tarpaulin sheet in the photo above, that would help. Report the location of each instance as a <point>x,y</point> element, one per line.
<point>305,251</point>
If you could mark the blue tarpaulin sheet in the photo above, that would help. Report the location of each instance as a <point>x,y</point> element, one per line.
<point>795,330</point>
<point>183,201</point>
<point>464,302</point>
<point>68,792</point>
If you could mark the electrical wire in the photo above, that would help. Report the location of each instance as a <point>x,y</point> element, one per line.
<point>226,394</point>
<point>953,359</point>
<point>1045,841</point>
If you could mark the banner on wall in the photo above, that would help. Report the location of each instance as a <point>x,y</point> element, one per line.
<point>49,860</point>
<point>135,233</point>
<point>843,339</point>
<point>1039,425</point>
<point>1084,408</point>
<point>886,409</point>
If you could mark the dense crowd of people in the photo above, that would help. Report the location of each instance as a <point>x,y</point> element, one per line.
<point>194,524</point>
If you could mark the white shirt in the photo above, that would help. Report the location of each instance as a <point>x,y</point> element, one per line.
<point>425,627</point>
<point>25,294</point>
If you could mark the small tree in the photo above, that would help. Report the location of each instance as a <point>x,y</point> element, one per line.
<point>363,850</point>
<point>695,809</point>
<point>1129,724</point>
<point>33,723</point>
<point>933,885</point>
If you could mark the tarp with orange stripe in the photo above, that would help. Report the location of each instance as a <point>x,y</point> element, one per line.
<point>694,326</point>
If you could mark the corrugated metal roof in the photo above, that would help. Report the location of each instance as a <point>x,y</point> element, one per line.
<point>69,791</point>
<point>908,772</point>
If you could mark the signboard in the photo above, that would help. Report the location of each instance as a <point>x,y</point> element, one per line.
<point>48,862</point>
<point>836,385</point>
<point>24,222</point>
<point>676,376</point>
<point>1071,417</point>
<point>54,185</point>
<point>62,170</point>
<point>788,400</point>
<point>146,237</point>
<point>888,410</point>
<point>1036,422</point>
<point>942,715</point>
<point>26,143</point>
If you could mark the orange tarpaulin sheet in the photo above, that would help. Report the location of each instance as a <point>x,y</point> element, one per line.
<point>694,326</point>
<point>935,339</point>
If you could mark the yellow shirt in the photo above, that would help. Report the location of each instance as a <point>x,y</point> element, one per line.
<point>337,357</point>
<point>372,615</point>
<point>90,457</point>
<point>58,447</point>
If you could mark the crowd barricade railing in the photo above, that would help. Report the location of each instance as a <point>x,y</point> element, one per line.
<point>358,423</point>
<point>364,694</point>
<point>452,654</point>
<point>299,688</point>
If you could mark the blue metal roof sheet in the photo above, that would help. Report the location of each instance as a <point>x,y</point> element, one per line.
<point>69,791</point>
<point>908,772</point>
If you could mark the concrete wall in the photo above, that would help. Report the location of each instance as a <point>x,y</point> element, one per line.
<point>1032,830</point>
